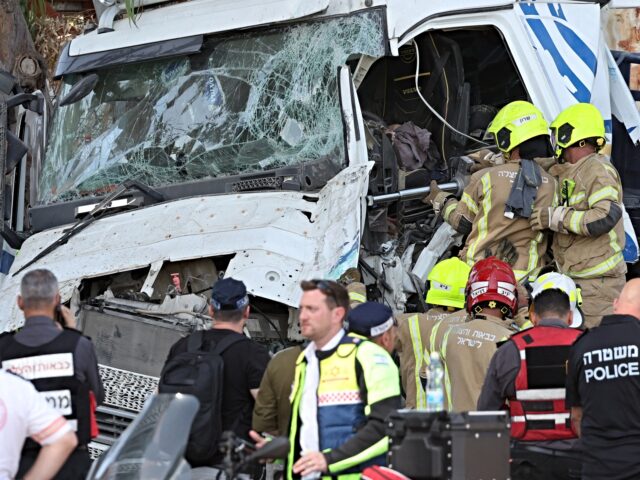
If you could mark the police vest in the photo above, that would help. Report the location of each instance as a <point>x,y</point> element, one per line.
<point>50,367</point>
<point>341,409</point>
<point>538,410</point>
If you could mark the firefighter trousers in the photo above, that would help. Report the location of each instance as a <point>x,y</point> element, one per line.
<point>598,295</point>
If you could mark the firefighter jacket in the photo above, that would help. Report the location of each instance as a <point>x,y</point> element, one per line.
<point>413,347</point>
<point>466,350</point>
<point>50,367</point>
<point>357,294</point>
<point>592,243</point>
<point>358,387</point>
<point>480,214</point>
<point>538,410</point>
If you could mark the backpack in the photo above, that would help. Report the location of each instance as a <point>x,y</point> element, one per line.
<point>200,373</point>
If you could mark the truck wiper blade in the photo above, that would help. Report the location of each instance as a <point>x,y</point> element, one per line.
<point>92,216</point>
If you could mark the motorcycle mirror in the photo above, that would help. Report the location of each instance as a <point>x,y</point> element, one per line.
<point>276,448</point>
<point>80,90</point>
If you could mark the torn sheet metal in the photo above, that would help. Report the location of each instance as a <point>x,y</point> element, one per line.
<point>279,239</point>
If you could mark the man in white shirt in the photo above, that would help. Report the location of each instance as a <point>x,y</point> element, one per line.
<point>344,388</point>
<point>25,413</point>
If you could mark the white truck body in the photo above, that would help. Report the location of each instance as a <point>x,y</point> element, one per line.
<point>271,238</point>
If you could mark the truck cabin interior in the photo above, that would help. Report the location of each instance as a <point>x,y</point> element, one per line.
<point>466,76</point>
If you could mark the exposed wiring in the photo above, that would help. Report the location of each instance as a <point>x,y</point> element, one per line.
<point>264,315</point>
<point>436,114</point>
<point>273,325</point>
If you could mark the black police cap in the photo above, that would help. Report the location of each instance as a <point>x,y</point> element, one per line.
<point>229,294</point>
<point>370,319</point>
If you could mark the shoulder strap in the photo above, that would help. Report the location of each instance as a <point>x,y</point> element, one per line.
<point>351,338</point>
<point>194,342</point>
<point>6,336</point>
<point>227,341</point>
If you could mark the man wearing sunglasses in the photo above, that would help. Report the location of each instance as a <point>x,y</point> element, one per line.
<point>344,388</point>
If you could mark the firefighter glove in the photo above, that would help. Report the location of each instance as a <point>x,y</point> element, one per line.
<point>436,197</point>
<point>506,251</point>
<point>551,218</point>
<point>485,159</point>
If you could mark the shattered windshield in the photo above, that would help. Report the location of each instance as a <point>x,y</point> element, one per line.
<point>246,103</point>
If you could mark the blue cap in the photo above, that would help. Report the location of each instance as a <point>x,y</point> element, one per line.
<point>370,319</point>
<point>229,294</point>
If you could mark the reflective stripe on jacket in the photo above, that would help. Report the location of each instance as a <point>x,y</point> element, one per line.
<point>50,367</point>
<point>481,212</point>
<point>466,350</point>
<point>354,376</point>
<point>414,333</point>
<point>538,410</point>
<point>593,245</point>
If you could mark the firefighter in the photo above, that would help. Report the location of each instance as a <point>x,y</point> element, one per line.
<point>344,388</point>
<point>498,201</point>
<point>445,297</point>
<point>466,349</point>
<point>357,293</point>
<point>589,238</point>
<point>527,376</point>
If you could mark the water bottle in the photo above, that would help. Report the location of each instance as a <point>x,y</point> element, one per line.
<point>435,384</point>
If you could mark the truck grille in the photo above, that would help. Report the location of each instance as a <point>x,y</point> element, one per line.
<point>125,394</point>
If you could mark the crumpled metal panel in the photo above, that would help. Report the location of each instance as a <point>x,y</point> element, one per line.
<point>279,238</point>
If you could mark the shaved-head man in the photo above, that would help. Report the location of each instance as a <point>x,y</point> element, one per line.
<point>603,391</point>
<point>628,303</point>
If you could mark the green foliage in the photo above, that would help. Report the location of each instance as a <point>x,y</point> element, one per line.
<point>32,9</point>
<point>129,6</point>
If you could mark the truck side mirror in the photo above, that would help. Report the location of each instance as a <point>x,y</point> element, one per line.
<point>80,90</point>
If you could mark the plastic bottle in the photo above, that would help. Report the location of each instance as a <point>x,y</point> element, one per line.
<point>435,384</point>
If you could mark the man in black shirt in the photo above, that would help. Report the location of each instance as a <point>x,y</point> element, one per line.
<point>245,361</point>
<point>55,359</point>
<point>603,391</point>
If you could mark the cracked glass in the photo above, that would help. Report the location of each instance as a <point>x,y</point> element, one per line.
<point>246,103</point>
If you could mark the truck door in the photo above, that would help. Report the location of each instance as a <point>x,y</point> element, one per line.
<point>21,142</point>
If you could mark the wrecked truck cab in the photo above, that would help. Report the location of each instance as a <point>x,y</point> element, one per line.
<point>261,133</point>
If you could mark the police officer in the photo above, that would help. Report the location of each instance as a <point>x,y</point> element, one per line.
<point>603,391</point>
<point>497,202</point>
<point>344,388</point>
<point>375,322</point>
<point>416,331</point>
<point>466,349</point>
<point>55,359</point>
<point>527,376</point>
<point>588,223</point>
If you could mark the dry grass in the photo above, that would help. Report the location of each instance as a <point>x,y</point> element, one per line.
<point>52,33</point>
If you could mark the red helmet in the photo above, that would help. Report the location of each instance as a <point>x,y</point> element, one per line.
<point>492,281</point>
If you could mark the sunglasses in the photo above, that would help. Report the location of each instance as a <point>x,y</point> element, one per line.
<point>327,287</point>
